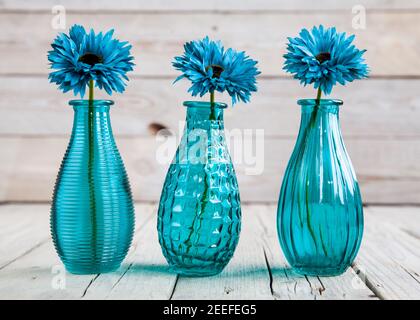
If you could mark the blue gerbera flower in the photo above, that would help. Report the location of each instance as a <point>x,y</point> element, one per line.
<point>80,57</point>
<point>211,68</point>
<point>324,57</point>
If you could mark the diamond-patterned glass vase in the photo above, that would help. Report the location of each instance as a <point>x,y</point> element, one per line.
<point>199,215</point>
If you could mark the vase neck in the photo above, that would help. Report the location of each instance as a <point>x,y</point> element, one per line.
<point>321,117</point>
<point>204,139</point>
<point>92,118</point>
<point>102,105</point>
<point>204,115</point>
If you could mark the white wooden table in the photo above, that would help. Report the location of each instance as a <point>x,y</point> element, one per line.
<point>387,267</point>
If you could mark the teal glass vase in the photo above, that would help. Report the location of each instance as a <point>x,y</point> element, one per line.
<point>92,214</point>
<point>320,212</point>
<point>199,216</point>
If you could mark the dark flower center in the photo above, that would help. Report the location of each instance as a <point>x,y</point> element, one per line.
<point>91,58</point>
<point>323,56</point>
<point>217,70</point>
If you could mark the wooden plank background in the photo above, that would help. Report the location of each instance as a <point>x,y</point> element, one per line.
<point>380,116</point>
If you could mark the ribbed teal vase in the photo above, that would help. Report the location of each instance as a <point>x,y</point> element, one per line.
<point>199,216</point>
<point>320,213</point>
<point>92,214</point>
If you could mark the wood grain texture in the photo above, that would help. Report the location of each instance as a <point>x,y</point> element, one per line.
<point>33,277</point>
<point>286,284</point>
<point>34,266</point>
<point>209,5</point>
<point>389,258</point>
<point>381,113</point>
<point>386,267</point>
<point>19,235</point>
<point>144,273</point>
<point>372,108</point>
<point>385,168</point>
<point>26,243</point>
<point>391,38</point>
<point>405,219</point>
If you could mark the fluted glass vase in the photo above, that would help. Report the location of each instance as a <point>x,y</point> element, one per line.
<point>199,214</point>
<point>92,214</point>
<point>320,213</point>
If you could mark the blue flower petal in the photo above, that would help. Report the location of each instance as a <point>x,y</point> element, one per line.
<point>345,63</point>
<point>72,74</point>
<point>239,73</point>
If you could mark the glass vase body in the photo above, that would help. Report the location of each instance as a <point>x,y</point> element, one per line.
<point>199,215</point>
<point>92,213</point>
<point>320,212</point>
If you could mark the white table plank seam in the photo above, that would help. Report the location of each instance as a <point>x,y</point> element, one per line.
<point>35,247</point>
<point>89,284</point>
<point>270,273</point>
<point>363,277</point>
<point>322,288</point>
<point>410,273</point>
<point>411,233</point>
<point>174,287</point>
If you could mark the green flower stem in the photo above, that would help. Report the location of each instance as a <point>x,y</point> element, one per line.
<point>90,93</point>
<point>318,95</point>
<point>212,111</point>
<point>90,169</point>
<point>308,211</point>
<point>206,184</point>
<point>311,124</point>
<point>317,104</point>
<point>205,199</point>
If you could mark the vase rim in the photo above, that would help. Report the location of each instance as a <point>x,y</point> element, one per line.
<point>322,102</point>
<point>85,103</point>
<point>204,104</point>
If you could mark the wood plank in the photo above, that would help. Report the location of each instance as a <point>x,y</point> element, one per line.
<point>372,108</point>
<point>387,169</point>
<point>144,274</point>
<point>149,276</point>
<point>22,229</point>
<point>26,38</point>
<point>219,5</point>
<point>405,218</point>
<point>288,285</point>
<point>245,277</point>
<point>389,191</point>
<point>33,275</point>
<point>389,259</point>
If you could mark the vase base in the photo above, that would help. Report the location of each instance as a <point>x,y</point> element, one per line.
<point>85,270</point>
<point>196,271</point>
<point>322,272</point>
